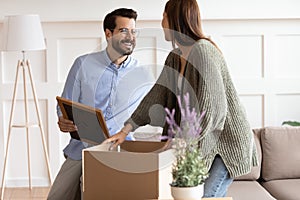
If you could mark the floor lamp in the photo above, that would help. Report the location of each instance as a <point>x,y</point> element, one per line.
<point>24,33</point>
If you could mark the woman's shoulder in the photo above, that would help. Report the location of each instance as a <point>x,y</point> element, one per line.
<point>203,44</point>
<point>205,47</point>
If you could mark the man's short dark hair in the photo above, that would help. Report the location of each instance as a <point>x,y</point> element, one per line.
<point>110,19</point>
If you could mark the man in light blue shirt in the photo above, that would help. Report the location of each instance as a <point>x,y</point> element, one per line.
<point>110,80</point>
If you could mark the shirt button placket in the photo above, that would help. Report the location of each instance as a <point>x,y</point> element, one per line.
<point>112,94</point>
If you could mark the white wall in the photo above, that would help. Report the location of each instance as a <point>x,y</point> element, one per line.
<point>82,10</point>
<point>259,39</point>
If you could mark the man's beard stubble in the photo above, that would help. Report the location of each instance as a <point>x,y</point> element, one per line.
<point>116,44</point>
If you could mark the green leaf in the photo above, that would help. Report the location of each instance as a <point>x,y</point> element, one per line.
<point>291,123</point>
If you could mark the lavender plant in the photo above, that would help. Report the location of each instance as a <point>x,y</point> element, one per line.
<point>189,169</point>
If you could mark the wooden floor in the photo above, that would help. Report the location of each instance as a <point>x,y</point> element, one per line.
<point>40,193</point>
<point>37,193</point>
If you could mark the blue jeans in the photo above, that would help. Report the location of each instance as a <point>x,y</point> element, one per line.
<point>218,181</point>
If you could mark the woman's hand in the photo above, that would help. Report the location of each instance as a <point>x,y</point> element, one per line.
<point>116,139</point>
<point>119,137</point>
<point>66,125</point>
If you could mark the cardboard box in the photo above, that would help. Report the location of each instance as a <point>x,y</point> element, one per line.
<point>221,198</point>
<point>141,170</point>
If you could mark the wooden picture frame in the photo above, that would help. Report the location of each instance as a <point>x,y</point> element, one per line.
<point>89,121</point>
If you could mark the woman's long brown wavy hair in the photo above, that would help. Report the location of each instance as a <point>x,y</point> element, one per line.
<point>185,22</point>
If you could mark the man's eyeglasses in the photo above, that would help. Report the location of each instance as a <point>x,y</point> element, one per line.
<point>126,31</point>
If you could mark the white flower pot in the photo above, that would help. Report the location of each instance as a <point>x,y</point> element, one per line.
<point>187,193</point>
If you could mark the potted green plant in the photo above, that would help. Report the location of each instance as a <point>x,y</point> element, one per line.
<point>189,170</point>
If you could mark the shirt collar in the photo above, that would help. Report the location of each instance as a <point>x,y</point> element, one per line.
<point>124,64</point>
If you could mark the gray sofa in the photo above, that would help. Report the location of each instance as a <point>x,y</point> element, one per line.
<point>278,175</point>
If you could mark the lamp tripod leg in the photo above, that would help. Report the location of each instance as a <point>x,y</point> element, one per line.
<point>40,122</point>
<point>9,129</point>
<point>26,121</point>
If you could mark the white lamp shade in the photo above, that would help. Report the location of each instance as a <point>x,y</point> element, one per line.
<point>23,33</point>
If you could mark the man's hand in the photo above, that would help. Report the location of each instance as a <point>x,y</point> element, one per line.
<point>66,125</point>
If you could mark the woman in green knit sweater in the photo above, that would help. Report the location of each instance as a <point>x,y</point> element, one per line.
<point>198,67</point>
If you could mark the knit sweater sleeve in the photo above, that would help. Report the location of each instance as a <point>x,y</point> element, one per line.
<point>207,88</point>
<point>151,110</point>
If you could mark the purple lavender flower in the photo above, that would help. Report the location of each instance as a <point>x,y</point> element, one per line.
<point>190,127</point>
